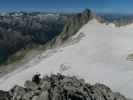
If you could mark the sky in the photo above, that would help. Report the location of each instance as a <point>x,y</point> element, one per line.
<point>104,6</point>
<point>43,5</point>
<point>111,6</point>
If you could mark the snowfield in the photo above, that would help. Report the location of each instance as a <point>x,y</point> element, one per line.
<point>100,56</point>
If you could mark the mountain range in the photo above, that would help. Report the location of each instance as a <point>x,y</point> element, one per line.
<point>83,47</point>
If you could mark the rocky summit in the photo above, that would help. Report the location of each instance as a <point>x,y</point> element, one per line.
<point>60,87</point>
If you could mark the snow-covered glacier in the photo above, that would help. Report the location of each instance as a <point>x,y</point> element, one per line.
<point>99,56</point>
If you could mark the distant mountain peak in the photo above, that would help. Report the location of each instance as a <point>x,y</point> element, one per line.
<point>74,23</point>
<point>86,11</point>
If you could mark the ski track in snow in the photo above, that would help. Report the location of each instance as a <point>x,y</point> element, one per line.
<point>100,56</point>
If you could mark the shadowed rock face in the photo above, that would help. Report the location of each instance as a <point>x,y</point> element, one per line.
<point>4,95</point>
<point>60,87</point>
<point>73,24</point>
<point>21,29</point>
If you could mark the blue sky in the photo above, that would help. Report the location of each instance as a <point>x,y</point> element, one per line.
<point>109,6</point>
<point>42,5</point>
<point>112,6</point>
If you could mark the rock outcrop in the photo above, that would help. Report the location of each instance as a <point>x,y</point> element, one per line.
<point>60,87</point>
<point>73,24</point>
<point>5,95</point>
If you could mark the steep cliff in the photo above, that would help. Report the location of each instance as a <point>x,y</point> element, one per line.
<point>73,24</point>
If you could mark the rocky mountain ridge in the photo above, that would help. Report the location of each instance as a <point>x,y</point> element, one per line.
<point>60,87</point>
<point>73,24</point>
<point>117,19</point>
<point>24,30</point>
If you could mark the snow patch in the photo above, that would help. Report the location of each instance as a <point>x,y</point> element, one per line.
<point>100,56</point>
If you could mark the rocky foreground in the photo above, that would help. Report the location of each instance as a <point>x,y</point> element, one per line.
<point>60,87</point>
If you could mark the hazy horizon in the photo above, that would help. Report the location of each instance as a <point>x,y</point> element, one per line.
<point>111,6</point>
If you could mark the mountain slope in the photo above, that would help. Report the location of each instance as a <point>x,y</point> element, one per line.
<point>20,30</point>
<point>100,56</point>
<point>34,31</point>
